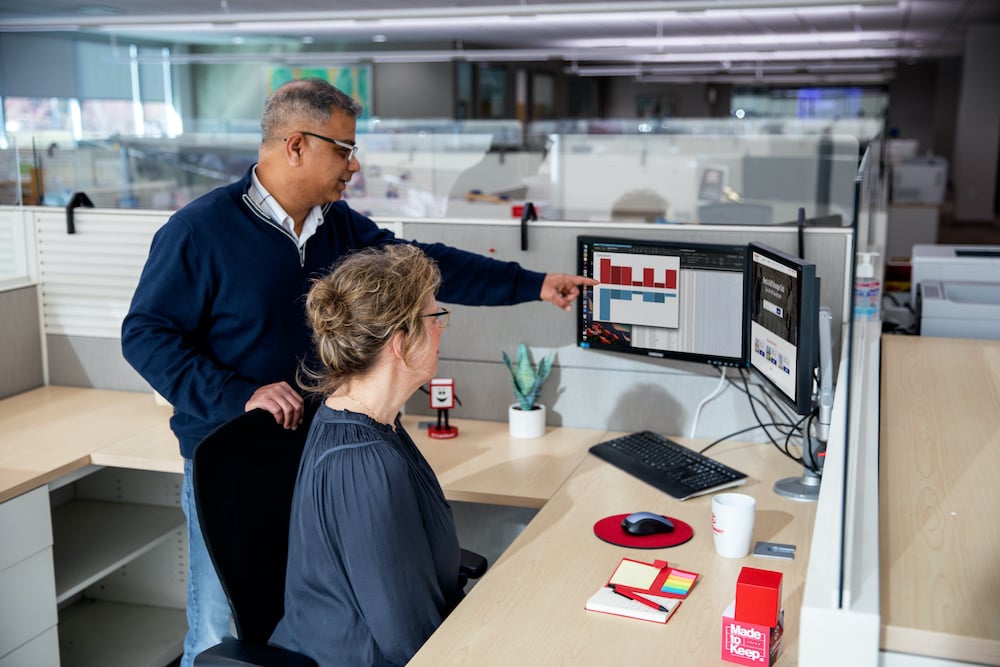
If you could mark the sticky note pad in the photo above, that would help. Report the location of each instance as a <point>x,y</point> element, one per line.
<point>634,574</point>
<point>679,582</point>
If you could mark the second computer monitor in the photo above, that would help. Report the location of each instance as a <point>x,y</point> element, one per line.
<point>784,307</point>
<point>675,300</point>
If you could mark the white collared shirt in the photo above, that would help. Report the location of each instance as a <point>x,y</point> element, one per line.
<point>270,205</point>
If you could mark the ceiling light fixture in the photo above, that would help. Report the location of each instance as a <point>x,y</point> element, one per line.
<point>443,16</point>
<point>860,78</point>
<point>743,41</point>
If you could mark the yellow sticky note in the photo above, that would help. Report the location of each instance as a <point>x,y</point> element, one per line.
<point>634,574</point>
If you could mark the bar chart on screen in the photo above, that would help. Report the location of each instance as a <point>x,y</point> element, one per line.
<point>637,289</point>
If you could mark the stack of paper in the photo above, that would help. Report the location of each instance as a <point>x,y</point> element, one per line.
<point>609,601</point>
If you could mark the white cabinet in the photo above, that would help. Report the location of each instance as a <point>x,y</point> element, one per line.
<point>120,555</point>
<point>27,591</point>
<point>103,554</point>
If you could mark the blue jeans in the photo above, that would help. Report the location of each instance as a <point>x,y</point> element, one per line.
<point>208,613</point>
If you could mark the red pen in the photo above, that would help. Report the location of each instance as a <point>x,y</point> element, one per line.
<point>625,593</point>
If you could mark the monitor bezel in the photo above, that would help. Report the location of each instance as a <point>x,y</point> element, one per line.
<point>807,288</point>
<point>586,296</point>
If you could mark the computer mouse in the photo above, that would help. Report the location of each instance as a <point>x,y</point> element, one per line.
<point>647,523</point>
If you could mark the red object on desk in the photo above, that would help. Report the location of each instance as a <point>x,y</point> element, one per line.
<point>610,530</point>
<point>758,596</point>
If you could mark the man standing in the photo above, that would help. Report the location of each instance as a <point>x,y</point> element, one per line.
<point>217,322</point>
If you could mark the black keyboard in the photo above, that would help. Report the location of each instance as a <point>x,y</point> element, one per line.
<point>669,466</point>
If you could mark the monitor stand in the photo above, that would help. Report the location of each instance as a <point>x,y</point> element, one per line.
<point>806,486</point>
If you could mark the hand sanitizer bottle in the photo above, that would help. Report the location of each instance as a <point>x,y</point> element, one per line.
<point>867,288</point>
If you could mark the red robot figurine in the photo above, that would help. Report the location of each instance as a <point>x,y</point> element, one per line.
<point>442,399</point>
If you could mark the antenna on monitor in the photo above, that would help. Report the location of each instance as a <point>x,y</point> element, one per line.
<point>806,486</point>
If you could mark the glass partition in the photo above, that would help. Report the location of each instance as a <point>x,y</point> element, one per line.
<point>708,171</point>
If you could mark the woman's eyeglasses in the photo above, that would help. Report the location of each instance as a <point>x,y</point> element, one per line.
<point>441,317</point>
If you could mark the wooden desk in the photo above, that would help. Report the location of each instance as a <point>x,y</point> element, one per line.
<point>49,432</point>
<point>939,494</point>
<point>108,537</point>
<point>528,609</point>
<point>485,465</point>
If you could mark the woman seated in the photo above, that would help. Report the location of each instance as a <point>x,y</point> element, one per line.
<point>373,558</point>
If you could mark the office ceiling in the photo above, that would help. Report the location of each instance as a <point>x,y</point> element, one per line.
<point>837,41</point>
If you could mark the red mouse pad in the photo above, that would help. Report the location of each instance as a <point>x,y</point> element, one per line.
<point>610,530</point>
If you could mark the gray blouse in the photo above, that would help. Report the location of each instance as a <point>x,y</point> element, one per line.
<point>373,556</point>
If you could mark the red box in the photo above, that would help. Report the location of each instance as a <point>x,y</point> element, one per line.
<point>758,596</point>
<point>749,643</point>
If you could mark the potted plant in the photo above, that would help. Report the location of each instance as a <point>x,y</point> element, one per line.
<point>526,417</point>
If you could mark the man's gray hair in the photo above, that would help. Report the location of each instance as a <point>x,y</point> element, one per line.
<point>304,101</point>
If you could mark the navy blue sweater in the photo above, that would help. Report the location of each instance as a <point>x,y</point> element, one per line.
<point>219,309</point>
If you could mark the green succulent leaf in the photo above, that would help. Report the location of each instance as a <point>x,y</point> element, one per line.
<point>526,380</point>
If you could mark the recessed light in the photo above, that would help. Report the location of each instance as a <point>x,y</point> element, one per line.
<point>378,38</point>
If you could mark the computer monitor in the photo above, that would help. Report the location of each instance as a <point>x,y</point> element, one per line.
<point>784,314</point>
<point>714,181</point>
<point>665,299</point>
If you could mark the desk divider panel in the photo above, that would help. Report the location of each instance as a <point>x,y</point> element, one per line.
<point>586,389</point>
<point>20,340</point>
<point>591,389</point>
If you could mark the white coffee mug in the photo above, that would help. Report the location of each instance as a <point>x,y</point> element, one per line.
<point>732,523</point>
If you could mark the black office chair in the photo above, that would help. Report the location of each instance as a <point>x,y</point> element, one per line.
<point>244,477</point>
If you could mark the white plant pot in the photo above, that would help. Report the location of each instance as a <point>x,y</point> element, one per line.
<point>526,423</point>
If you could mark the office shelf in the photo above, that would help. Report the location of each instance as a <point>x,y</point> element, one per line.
<point>94,538</point>
<point>113,634</point>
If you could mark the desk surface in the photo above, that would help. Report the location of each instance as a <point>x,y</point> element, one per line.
<point>49,432</point>
<point>485,465</point>
<point>528,609</point>
<point>939,494</point>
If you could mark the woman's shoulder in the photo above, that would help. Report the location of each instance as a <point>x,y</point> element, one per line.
<point>350,434</point>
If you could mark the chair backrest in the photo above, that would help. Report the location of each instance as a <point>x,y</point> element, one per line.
<point>244,477</point>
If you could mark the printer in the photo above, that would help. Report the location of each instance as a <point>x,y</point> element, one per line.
<point>919,181</point>
<point>959,309</point>
<point>953,262</point>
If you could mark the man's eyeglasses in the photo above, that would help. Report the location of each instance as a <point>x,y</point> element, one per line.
<point>441,317</point>
<point>350,151</point>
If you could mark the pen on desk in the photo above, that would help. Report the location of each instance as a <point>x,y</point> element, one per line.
<point>638,598</point>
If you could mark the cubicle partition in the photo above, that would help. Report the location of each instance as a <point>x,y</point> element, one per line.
<point>87,279</point>
<point>595,389</point>
<point>21,363</point>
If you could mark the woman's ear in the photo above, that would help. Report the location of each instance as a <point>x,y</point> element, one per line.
<point>398,345</point>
